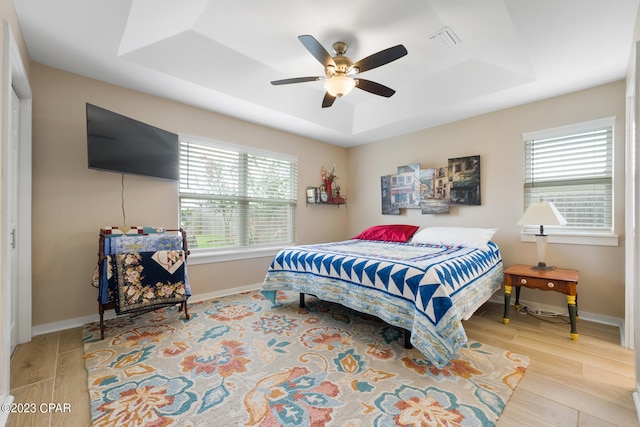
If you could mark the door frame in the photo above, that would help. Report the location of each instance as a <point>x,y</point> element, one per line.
<point>632,218</point>
<point>632,204</point>
<point>14,75</point>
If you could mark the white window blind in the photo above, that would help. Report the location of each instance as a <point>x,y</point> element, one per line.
<point>573,168</point>
<point>235,197</point>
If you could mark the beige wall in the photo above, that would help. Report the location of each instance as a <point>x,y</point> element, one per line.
<point>71,203</point>
<point>497,138</point>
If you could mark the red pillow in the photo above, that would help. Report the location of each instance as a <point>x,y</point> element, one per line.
<point>389,233</point>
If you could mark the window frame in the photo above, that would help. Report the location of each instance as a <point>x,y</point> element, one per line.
<point>572,236</point>
<point>210,255</point>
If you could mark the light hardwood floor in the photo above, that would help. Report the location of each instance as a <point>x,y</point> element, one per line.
<point>568,383</point>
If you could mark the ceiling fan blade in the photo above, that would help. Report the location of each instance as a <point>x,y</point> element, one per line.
<point>316,49</point>
<point>328,100</point>
<point>375,88</point>
<point>380,58</point>
<point>295,80</point>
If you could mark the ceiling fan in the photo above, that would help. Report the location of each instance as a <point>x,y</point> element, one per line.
<point>339,70</point>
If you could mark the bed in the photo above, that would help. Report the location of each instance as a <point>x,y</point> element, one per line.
<point>421,285</point>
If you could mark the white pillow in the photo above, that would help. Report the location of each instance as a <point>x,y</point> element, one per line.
<point>455,236</point>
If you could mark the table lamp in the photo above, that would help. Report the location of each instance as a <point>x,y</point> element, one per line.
<point>542,213</point>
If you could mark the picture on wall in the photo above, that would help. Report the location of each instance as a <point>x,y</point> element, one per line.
<point>405,189</point>
<point>464,180</point>
<point>385,192</point>
<point>433,191</point>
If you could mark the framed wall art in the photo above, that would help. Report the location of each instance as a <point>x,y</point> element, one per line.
<point>464,180</point>
<point>434,194</point>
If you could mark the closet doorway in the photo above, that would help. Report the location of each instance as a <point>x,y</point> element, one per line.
<point>15,216</point>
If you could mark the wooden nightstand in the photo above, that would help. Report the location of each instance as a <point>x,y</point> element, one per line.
<point>559,279</point>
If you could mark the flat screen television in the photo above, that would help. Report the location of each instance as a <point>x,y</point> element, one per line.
<point>117,143</point>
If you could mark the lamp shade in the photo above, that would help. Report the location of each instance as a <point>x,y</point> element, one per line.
<point>542,213</point>
<point>339,85</point>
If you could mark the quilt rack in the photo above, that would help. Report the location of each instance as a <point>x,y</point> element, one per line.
<point>129,256</point>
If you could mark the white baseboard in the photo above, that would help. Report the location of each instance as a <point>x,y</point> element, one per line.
<point>110,314</point>
<point>4,414</point>
<point>224,293</point>
<point>592,317</point>
<point>497,298</point>
<point>636,401</point>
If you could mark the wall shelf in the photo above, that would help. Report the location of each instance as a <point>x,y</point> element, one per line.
<point>343,202</point>
<point>315,196</point>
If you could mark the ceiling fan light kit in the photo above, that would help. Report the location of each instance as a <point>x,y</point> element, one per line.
<point>339,85</point>
<point>339,70</point>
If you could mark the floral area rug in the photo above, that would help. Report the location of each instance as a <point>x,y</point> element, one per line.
<point>240,362</point>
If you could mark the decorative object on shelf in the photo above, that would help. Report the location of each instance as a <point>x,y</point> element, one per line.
<point>542,213</point>
<point>313,195</point>
<point>432,190</point>
<point>324,196</point>
<point>328,180</point>
<point>327,192</point>
<point>338,199</point>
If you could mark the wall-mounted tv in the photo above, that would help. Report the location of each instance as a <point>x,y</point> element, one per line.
<point>120,144</point>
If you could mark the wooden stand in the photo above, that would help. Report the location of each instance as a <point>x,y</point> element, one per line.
<point>102,257</point>
<point>561,280</point>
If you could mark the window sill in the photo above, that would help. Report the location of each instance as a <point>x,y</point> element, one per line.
<point>593,239</point>
<point>207,257</point>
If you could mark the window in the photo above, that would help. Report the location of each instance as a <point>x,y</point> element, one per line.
<point>235,198</point>
<point>572,167</point>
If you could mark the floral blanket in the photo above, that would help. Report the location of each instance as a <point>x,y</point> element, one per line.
<point>146,280</point>
<point>142,273</point>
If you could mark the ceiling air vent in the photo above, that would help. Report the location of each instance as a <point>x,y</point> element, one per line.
<point>445,38</point>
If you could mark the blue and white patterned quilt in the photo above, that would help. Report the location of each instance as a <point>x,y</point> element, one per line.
<point>164,282</point>
<point>427,289</point>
